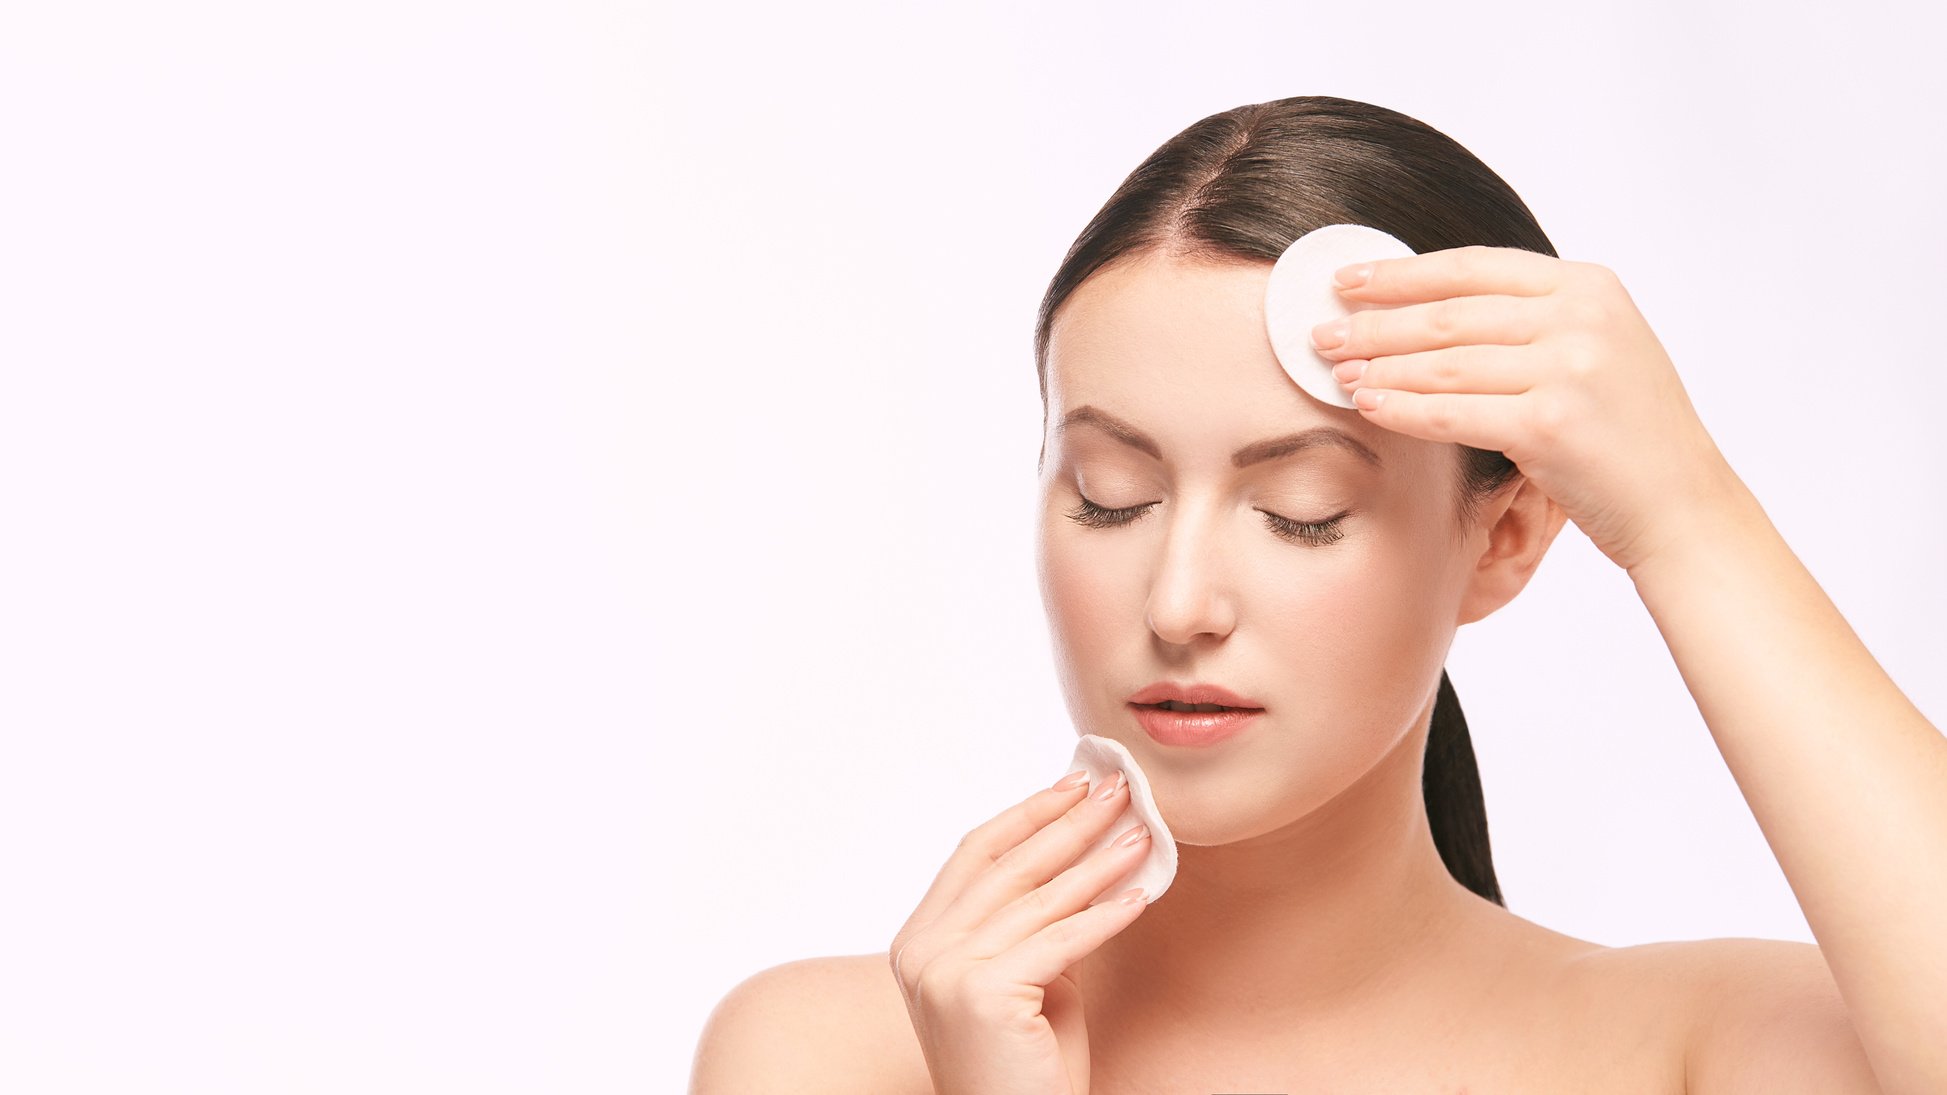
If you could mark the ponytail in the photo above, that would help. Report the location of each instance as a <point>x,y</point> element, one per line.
<point>1454,807</point>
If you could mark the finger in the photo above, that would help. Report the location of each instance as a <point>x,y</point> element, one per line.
<point>1041,957</point>
<point>1460,271</point>
<point>1064,895</point>
<point>1033,862</point>
<point>984,844</point>
<point>1492,422</point>
<point>1456,321</point>
<point>1482,370</point>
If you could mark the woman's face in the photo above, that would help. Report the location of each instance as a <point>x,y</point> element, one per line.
<point>1340,639</point>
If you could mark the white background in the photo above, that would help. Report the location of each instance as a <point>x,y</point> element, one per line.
<point>517,518</point>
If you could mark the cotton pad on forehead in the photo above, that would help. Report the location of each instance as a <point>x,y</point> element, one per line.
<point>1103,757</point>
<point>1301,296</point>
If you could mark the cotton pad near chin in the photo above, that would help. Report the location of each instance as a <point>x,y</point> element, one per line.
<point>1302,295</point>
<point>1103,757</point>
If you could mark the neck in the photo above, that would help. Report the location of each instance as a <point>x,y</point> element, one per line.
<point>1303,923</point>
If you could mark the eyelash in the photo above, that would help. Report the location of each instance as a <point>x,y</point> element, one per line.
<point>1315,533</point>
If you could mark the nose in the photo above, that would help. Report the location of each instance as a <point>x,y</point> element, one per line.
<point>1191,595</point>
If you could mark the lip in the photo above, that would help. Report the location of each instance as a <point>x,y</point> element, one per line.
<point>1192,693</point>
<point>1192,728</point>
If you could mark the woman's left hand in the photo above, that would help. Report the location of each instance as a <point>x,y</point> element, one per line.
<point>1546,361</point>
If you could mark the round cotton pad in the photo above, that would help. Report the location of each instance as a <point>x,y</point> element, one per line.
<point>1102,757</point>
<point>1301,296</point>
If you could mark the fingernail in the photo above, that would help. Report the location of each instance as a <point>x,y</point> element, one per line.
<point>1131,836</point>
<point>1369,399</point>
<point>1109,787</point>
<point>1349,370</point>
<point>1131,897</point>
<point>1327,335</point>
<point>1351,277</point>
<point>1072,780</point>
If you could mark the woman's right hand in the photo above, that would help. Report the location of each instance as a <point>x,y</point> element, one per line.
<point>983,961</point>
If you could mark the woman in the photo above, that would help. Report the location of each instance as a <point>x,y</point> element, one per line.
<point>1335,924</point>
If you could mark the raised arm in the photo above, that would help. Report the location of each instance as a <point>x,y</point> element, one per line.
<point>1847,779</point>
<point>1551,363</point>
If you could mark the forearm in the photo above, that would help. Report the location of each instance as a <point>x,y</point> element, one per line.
<point>1847,779</point>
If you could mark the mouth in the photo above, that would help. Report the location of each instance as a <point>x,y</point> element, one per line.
<point>1194,723</point>
<point>1173,705</point>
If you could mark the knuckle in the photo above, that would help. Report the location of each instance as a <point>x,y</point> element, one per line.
<point>1440,415</point>
<point>1443,319</point>
<point>1445,371</point>
<point>1036,903</point>
<point>1014,862</point>
<point>1598,273</point>
<point>982,846</point>
<point>972,842</point>
<point>1547,418</point>
<point>1007,860</point>
<point>1358,327</point>
<point>1580,364</point>
<point>1600,286</point>
<point>1375,329</point>
<point>1062,934</point>
<point>1074,826</point>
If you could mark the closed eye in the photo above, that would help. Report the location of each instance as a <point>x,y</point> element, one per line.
<point>1094,516</point>
<point>1315,533</point>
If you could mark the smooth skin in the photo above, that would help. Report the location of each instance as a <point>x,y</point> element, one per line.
<point>1312,938</point>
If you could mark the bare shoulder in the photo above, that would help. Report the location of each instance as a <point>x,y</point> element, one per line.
<point>1756,1015</point>
<point>811,1025</point>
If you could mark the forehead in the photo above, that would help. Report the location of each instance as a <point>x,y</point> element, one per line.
<point>1149,311</point>
<point>1179,347</point>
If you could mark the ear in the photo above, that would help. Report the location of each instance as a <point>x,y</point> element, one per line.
<point>1512,533</point>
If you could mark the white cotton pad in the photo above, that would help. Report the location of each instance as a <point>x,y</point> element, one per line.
<point>1103,757</point>
<point>1301,296</point>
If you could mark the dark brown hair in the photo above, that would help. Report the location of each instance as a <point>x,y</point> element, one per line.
<point>1239,187</point>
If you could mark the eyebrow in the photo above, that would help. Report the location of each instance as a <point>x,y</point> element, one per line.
<point>1270,448</point>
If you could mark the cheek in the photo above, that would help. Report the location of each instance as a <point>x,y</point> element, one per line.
<point>1082,584</point>
<point>1363,635</point>
<point>1358,613</point>
<point>1086,596</point>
